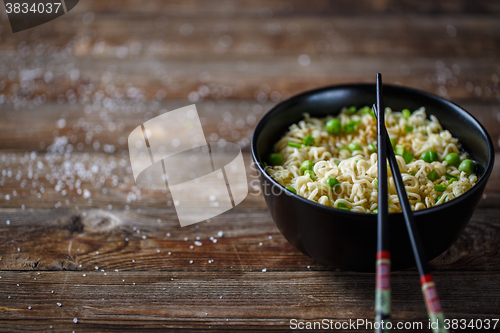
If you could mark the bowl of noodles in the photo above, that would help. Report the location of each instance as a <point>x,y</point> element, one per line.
<point>316,155</point>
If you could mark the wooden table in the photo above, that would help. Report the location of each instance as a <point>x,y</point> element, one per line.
<point>83,249</point>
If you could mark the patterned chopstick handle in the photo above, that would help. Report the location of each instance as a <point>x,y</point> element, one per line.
<point>432,303</point>
<point>383,290</point>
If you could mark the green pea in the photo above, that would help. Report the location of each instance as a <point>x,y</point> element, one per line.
<point>308,140</point>
<point>306,165</point>
<point>440,187</point>
<point>351,126</point>
<point>310,173</point>
<point>430,156</point>
<point>467,166</point>
<point>408,157</point>
<point>452,159</point>
<point>372,147</point>
<point>400,150</point>
<point>333,126</point>
<point>333,183</point>
<point>406,113</point>
<point>294,144</point>
<point>343,206</point>
<point>408,128</point>
<point>353,146</point>
<point>275,159</point>
<point>291,189</point>
<point>433,175</point>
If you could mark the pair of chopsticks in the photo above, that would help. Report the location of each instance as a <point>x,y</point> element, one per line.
<point>383,263</point>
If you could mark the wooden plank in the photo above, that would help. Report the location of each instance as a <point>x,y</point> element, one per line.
<point>20,131</point>
<point>135,240</point>
<point>255,301</point>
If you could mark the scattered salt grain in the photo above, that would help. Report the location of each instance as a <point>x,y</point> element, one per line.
<point>75,320</point>
<point>264,270</point>
<point>8,222</point>
<point>190,261</point>
<point>198,243</point>
<point>59,304</point>
<point>220,234</point>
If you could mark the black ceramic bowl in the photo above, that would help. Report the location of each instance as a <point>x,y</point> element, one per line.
<point>345,239</point>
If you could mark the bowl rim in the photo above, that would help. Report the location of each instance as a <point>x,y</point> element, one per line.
<point>481,182</point>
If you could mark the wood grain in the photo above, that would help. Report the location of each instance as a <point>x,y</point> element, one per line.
<point>250,301</point>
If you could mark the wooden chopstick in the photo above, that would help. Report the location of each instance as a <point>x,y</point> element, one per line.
<point>383,264</point>
<point>428,287</point>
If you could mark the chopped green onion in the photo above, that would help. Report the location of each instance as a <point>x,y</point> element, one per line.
<point>406,113</point>
<point>452,179</point>
<point>393,142</point>
<point>275,159</point>
<point>352,109</point>
<point>344,206</point>
<point>375,211</point>
<point>375,183</point>
<point>372,147</point>
<point>366,110</point>
<point>445,198</point>
<point>400,150</point>
<point>440,187</point>
<point>308,140</point>
<point>408,157</point>
<point>408,128</point>
<point>413,173</point>
<point>430,156</point>
<point>294,144</point>
<point>433,175</point>
<point>291,189</point>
